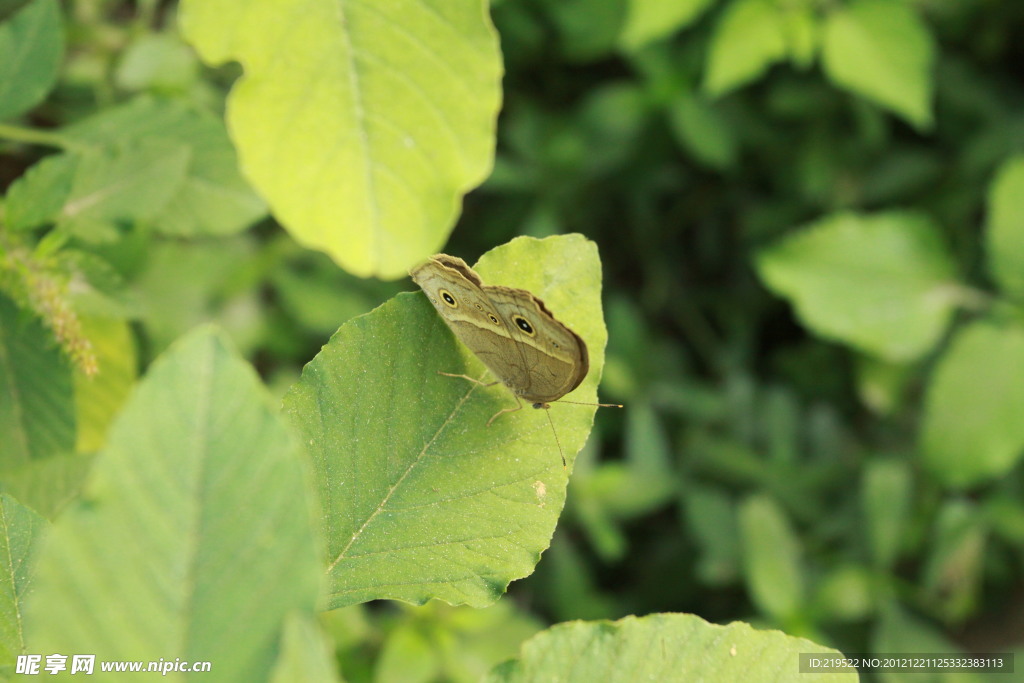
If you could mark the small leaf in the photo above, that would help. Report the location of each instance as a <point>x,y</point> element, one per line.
<point>31,50</point>
<point>973,431</point>
<point>1005,232</point>
<point>420,498</point>
<point>20,531</point>
<point>37,197</point>
<point>886,499</point>
<point>647,21</point>
<point>882,50</point>
<point>771,557</point>
<point>37,416</point>
<point>700,127</point>
<point>664,648</point>
<point>882,283</point>
<point>194,521</point>
<point>750,36</point>
<point>362,124</point>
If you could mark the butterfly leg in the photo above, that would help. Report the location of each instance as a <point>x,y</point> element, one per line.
<point>474,380</point>
<point>519,406</point>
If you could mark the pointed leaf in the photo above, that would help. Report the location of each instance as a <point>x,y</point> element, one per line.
<point>193,523</point>
<point>421,499</point>
<point>750,36</point>
<point>20,531</point>
<point>882,283</point>
<point>664,648</point>
<point>771,557</point>
<point>37,416</point>
<point>882,50</point>
<point>647,21</point>
<point>31,49</point>
<point>973,431</point>
<point>362,124</point>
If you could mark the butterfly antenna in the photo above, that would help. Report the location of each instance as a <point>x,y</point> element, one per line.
<point>599,405</point>
<point>559,443</point>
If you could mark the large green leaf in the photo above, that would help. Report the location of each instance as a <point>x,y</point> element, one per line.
<point>882,50</point>
<point>193,536</point>
<point>20,530</point>
<point>663,648</point>
<point>31,49</point>
<point>362,124</point>
<point>420,499</point>
<point>883,284</point>
<point>1005,233</point>
<point>750,36</point>
<point>37,417</point>
<point>973,431</point>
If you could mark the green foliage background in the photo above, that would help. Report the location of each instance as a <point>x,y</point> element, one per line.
<point>810,221</point>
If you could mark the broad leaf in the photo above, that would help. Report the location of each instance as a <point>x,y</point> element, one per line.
<point>882,50</point>
<point>1005,233</point>
<point>37,416</point>
<point>420,498</point>
<point>750,36</point>
<point>193,523</point>
<point>884,284</point>
<point>20,530</point>
<point>973,431</point>
<point>664,648</point>
<point>31,49</point>
<point>362,124</point>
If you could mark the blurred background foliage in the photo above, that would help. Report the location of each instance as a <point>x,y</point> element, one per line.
<point>769,466</point>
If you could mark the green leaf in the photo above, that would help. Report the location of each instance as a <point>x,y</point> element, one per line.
<point>37,197</point>
<point>208,196</point>
<point>420,498</point>
<point>194,520</point>
<point>99,397</point>
<point>884,284</point>
<point>121,185</point>
<point>48,485</point>
<point>973,431</point>
<point>648,20</point>
<point>362,124</point>
<point>771,558</point>
<point>702,129</point>
<point>37,416</point>
<point>883,51</point>
<point>306,654</point>
<point>31,50</point>
<point>661,647</point>
<point>750,36</point>
<point>160,62</point>
<point>588,30</point>
<point>20,531</point>
<point>9,7</point>
<point>886,498</point>
<point>1005,231</point>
